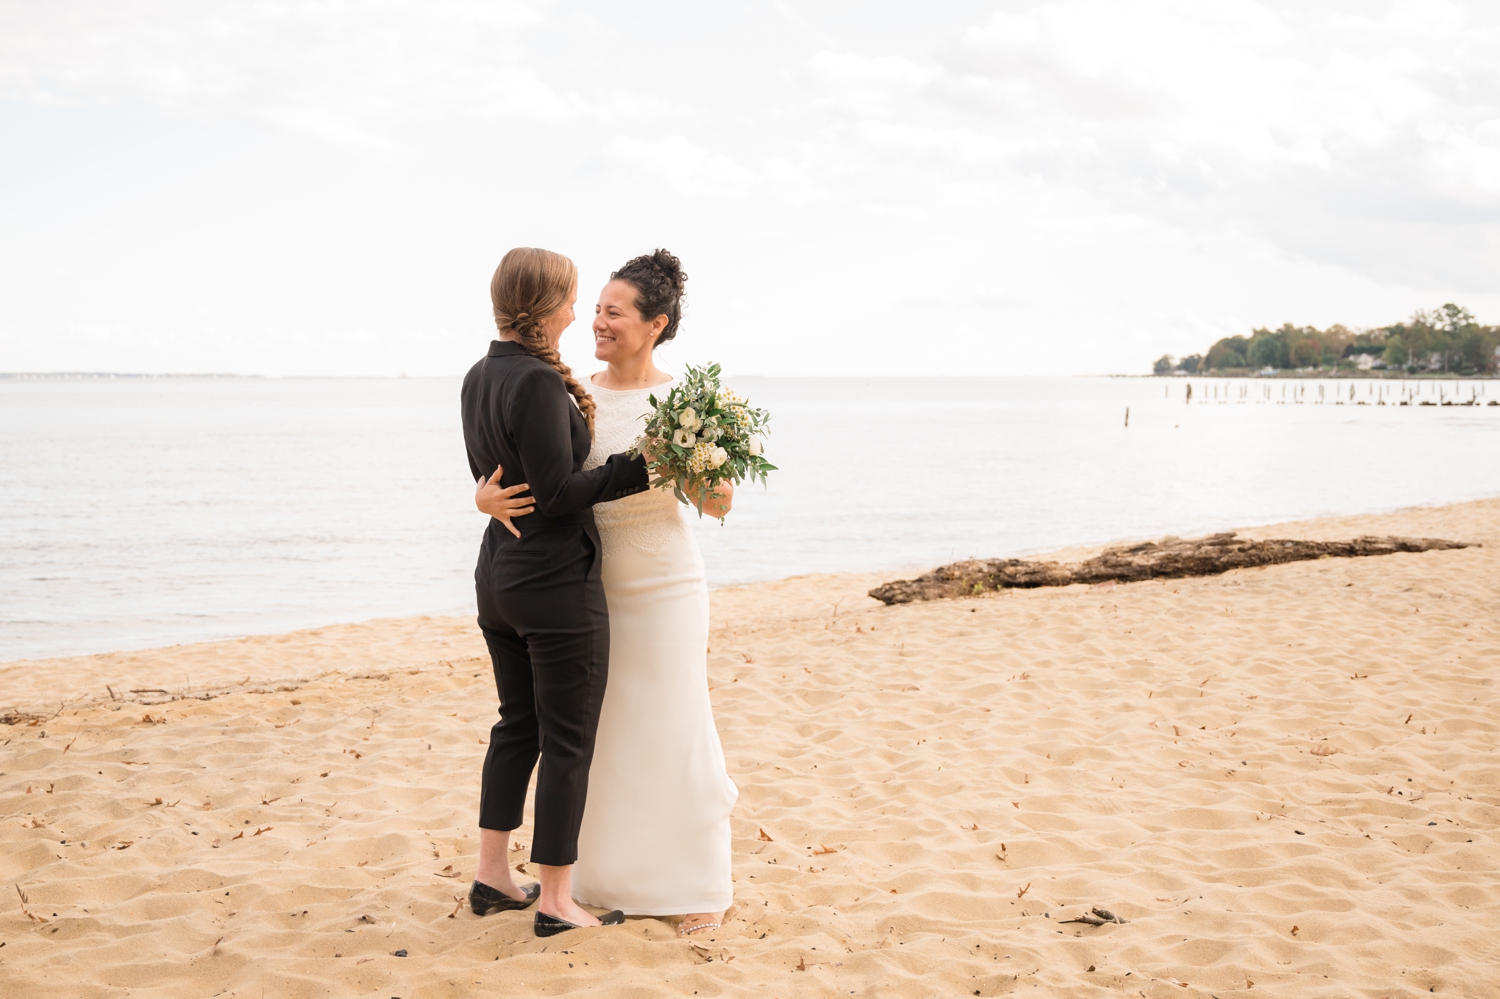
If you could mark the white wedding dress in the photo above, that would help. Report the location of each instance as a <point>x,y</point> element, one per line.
<point>655,836</point>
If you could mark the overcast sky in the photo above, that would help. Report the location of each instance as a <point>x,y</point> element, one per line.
<point>863,188</point>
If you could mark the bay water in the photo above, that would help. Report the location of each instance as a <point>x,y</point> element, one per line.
<point>137,512</point>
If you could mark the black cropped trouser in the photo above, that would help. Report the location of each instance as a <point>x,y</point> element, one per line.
<point>546,623</point>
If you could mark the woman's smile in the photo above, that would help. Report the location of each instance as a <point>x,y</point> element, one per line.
<point>621,333</point>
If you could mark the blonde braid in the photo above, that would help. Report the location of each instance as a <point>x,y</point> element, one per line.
<point>529,285</point>
<point>535,343</point>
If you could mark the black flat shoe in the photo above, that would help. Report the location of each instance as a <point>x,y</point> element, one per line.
<point>484,900</point>
<point>549,926</point>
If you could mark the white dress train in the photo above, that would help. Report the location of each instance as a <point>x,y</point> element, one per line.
<point>655,839</point>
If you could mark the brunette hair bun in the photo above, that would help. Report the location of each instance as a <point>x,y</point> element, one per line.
<point>659,286</point>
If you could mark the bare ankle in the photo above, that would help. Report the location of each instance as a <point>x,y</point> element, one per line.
<point>500,881</point>
<point>568,911</point>
<point>700,922</point>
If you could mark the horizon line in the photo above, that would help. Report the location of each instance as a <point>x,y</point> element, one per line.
<point>106,375</point>
<point>225,375</point>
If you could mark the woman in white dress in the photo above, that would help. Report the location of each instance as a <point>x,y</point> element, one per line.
<point>655,839</point>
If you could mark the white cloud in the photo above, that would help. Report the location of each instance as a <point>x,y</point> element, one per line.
<point>1179,166</point>
<point>867,85</point>
<point>1292,122</point>
<point>688,168</point>
<point>341,70</point>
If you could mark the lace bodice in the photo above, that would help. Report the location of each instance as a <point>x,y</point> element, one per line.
<point>647,520</point>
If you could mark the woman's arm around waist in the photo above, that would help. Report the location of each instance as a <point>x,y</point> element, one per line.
<point>539,413</point>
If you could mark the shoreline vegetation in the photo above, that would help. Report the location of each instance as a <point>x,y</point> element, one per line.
<point>1445,342</point>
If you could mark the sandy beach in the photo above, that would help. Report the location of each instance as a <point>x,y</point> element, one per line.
<point>1286,782</point>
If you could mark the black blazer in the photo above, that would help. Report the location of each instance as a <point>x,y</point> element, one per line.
<point>517,413</point>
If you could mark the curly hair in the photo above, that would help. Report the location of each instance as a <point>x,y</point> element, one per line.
<point>659,286</point>
<point>529,286</point>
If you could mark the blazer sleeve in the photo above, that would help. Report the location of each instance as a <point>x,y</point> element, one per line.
<point>465,407</point>
<point>538,413</point>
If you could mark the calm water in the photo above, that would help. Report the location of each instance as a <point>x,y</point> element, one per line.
<point>140,512</point>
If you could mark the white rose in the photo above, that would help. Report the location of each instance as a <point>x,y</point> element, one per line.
<point>684,438</point>
<point>718,457</point>
<point>756,447</point>
<point>688,418</point>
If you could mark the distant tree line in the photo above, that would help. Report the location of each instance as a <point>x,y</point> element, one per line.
<point>1445,340</point>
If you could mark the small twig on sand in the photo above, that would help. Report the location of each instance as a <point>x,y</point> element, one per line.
<point>1097,917</point>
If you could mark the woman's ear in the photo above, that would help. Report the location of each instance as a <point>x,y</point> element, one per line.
<point>658,324</point>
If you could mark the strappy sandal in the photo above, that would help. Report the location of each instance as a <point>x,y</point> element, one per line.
<point>696,928</point>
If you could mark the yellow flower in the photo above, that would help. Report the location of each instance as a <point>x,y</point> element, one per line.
<point>702,457</point>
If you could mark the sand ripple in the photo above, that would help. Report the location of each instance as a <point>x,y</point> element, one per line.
<point>1286,776</point>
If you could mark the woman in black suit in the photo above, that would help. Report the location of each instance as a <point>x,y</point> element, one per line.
<point>541,602</point>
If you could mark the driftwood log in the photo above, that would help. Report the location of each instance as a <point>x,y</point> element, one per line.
<point>1170,558</point>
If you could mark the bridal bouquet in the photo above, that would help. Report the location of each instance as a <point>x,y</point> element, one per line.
<point>701,435</point>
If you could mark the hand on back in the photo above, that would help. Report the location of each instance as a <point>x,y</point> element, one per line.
<point>503,503</point>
